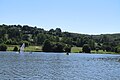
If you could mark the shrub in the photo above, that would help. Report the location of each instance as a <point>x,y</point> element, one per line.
<point>67,48</point>
<point>86,48</point>
<point>15,48</point>
<point>11,42</point>
<point>117,49</point>
<point>52,47</point>
<point>108,48</point>
<point>3,47</point>
<point>97,49</point>
<point>58,47</point>
<point>46,46</point>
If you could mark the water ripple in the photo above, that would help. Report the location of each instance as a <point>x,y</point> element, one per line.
<point>44,66</point>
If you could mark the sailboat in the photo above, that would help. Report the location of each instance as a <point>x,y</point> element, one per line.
<point>22,48</point>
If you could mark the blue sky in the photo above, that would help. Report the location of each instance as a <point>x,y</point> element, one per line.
<point>79,16</point>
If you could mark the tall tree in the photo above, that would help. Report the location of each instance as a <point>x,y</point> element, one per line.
<point>46,46</point>
<point>86,48</point>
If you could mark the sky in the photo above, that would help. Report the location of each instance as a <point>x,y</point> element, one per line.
<point>77,16</point>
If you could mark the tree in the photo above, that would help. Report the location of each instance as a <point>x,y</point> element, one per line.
<point>108,48</point>
<point>67,48</point>
<point>41,38</point>
<point>58,47</point>
<point>47,46</point>
<point>58,31</point>
<point>117,49</point>
<point>66,40</point>
<point>51,31</point>
<point>25,37</point>
<point>15,48</point>
<point>3,47</point>
<point>79,42</point>
<point>92,44</point>
<point>8,42</point>
<point>86,48</point>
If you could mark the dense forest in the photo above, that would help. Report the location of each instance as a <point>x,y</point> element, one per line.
<point>56,39</point>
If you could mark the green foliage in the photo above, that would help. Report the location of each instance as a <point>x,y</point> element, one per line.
<point>67,40</point>
<point>25,37</point>
<point>3,47</point>
<point>92,44</point>
<point>117,49</point>
<point>97,49</point>
<point>108,48</point>
<point>47,46</point>
<point>11,42</point>
<point>58,31</point>
<point>41,38</point>
<point>86,48</point>
<point>8,41</point>
<point>58,47</point>
<point>17,34</point>
<point>67,48</point>
<point>15,48</point>
<point>79,42</point>
<point>54,47</point>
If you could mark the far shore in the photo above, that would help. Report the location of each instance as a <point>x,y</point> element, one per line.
<point>73,50</point>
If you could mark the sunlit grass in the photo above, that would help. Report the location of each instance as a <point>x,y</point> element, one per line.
<point>101,52</point>
<point>76,49</point>
<point>11,47</point>
<point>34,48</point>
<point>29,48</point>
<point>79,49</point>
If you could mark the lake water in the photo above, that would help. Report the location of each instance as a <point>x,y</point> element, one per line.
<point>59,66</point>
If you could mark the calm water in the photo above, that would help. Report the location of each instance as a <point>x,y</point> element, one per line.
<point>58,66</point>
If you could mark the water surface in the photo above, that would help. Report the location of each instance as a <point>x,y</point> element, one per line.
<point>59,66</point>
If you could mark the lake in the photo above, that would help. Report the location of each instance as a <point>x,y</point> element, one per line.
<point>59,66</point>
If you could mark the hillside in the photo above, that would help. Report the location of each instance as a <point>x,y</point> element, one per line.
<point>17,34</point>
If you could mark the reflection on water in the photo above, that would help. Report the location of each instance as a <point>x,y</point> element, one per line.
<point>59,66</point>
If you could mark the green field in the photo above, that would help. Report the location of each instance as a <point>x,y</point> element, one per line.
<point>101,52</point>
<point>11,47</point>
<point>76,49</point>
<point>79,49</point>
<point>28,49</point>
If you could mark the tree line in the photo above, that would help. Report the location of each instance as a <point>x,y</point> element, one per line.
<point>56,40</point>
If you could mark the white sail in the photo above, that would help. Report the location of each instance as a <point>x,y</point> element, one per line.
<point>22,48</point>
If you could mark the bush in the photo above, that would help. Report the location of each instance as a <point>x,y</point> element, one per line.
<point>108,48</point>
<point>97,49</point>
<point>8,41</point>
<point>15,48</point>
<point>3,47</point>
<point>46,46</point>
<point>52,47</point>
<point>86,48</point>
<point>11,42</point>
<point>58,47</point>
<point>67,48</point>
<point>117,49</point>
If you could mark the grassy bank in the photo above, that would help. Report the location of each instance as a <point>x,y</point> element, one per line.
<point>76,49</point>
<point>73,49</point>
<point>79,49</point>
<point>28,49</point>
